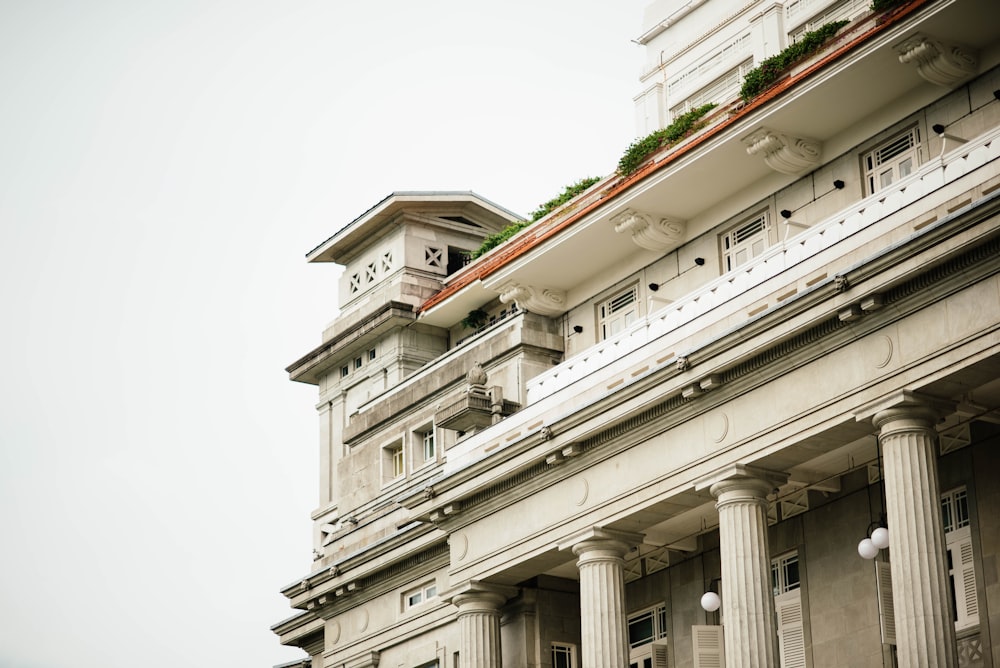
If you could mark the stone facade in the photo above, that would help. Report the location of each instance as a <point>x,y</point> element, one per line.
<point>717,374</point>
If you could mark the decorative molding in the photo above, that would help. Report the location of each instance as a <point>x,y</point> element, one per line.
<point>544,301</point>
<point>660,235</point>
<point>940,63</point>
<point>782,152</point>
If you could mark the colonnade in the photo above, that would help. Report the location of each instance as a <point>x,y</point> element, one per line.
<point>924,628</point>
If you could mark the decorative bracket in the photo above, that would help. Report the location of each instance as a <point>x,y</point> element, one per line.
<point>543,301</point>
<point>941,63</point>
<point>660,235</point>
<point>782,152</point>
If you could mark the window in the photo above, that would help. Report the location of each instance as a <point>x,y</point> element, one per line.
<point>893,160</point>
<point>844,10</point>
<point>344,371</point>
<point>619,312</point>
<point>563,655</point>
<point>961,567</point>
<point>647,631</point>
<point>393,462</point>
<point>747,241</point>
<point>371,355</point>
<point>728,52</point>
<point>646,626</point>
<point>723,89</point>
<point>788,610</point>
<point>427,445</point>
<point>785,573</point>
<point>419,595</point>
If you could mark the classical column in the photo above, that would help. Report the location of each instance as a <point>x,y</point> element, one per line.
<point>479,623</point>
<point>747,599</point>
<point>925,632</point>
<point>604,639</point>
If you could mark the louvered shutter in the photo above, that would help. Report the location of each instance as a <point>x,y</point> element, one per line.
<point>964,574</point>
<point>791,635</point>
<point>887,617</point>
<point>709,651</point>
<point>660,659</point>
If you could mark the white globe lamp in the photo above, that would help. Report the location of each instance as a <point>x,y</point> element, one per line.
<point>710,601</point>
<point>867,549</point>
<point>880,538</point>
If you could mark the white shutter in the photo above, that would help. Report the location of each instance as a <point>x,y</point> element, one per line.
<point>887,618</point>
<point>709,651</point>
<point>964,574</point>
<point>791,635</point>
<point>660,659</point>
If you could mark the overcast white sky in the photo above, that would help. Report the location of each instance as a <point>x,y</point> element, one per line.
<point>164,167</point>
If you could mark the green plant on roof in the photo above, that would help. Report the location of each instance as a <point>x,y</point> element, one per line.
<point>683,126</point>
<point>568,193</point>
<point>770,69</point>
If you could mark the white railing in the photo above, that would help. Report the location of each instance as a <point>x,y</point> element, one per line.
<point>786,255</point>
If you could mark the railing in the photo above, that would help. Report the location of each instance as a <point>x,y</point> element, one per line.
<point>788,254</point>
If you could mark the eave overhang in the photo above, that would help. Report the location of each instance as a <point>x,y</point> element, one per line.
<point>360,230</point>
<point>859,75</point>
<point>451,501</point>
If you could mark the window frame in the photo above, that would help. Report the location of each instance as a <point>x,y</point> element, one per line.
<point>874,166</point>
<point>658,618</point>
<point>731,244</point>
<point>424,592</point>
<point>569,650</point>
<point>609,320</point>
<point>393,462</point>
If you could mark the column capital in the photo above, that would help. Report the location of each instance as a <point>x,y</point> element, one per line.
<point>742,478</point>
<point>596,538</point>
<point>904,405</point>
<point>478,596</point>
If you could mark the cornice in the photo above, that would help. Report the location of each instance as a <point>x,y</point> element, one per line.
<point>323,357</point>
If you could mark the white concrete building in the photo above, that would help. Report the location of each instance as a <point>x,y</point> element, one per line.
<point>717,373</point>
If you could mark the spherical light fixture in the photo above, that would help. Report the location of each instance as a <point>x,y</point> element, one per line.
<point>867,549</point>
<point>880,538</point>
<point>710,601</point>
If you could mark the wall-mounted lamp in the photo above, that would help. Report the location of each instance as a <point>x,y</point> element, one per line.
<point>939,130</point>
<point>699,261</point>
<point>876,538</point>
<point>838,184</point>
<point>578,329</point>
<point>789,224</point>
<point>710,601</point>
<point>996,94</point>
<point>654,287</point>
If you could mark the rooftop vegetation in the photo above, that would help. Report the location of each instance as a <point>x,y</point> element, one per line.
<point>568,193</point>
<point>771,69</point>
<point>682,126</point>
